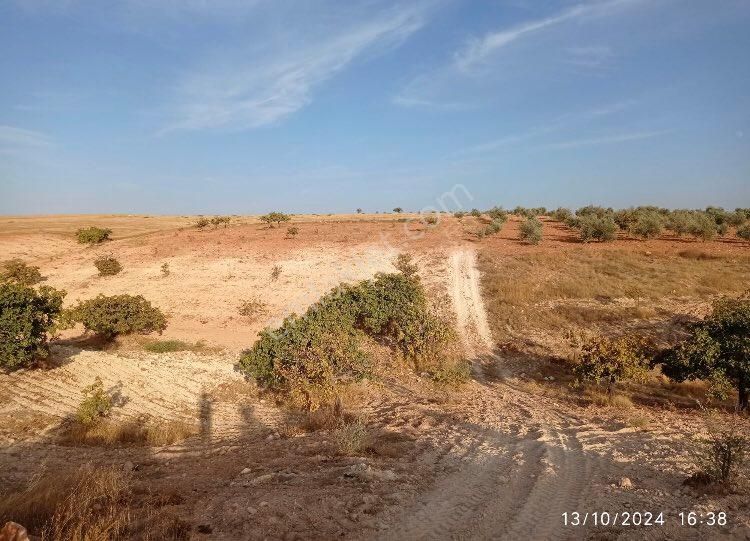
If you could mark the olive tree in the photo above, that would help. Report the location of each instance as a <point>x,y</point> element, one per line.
<point>718,349</point>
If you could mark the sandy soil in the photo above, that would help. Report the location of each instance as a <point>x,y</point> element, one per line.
<point>494,460</point>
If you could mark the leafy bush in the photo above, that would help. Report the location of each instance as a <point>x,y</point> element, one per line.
<point>308,354</point>
<point>107,265</point>
<point>721,456</point>
<point>221,220</point>
<point>608,361</point>
<point>530,231</point>
<point>202,222</point>
<point>626,218</point>
<point>96,404</point>
<point>702,227</point>
<point>15,270</point>
<point>476,213</point>
<point>591,210</point>
<point>405,265</point>
<point>679,222</point>
<point>593,227</point>
<point>398,210</point>
<point>736,218</point>
<point>292,232</point>
<point>647,224</point>
<point>27,317</point>
<point>497,214</point>
<point>275,218</point>
<point>561,214</point>
<point>431,219</point>
<point>743,232</point>
<point>165,269</point>
<point>118,314</point>
<point>93,235</point>
<point>275,272</point>
<point>459,214</point>
<point>718,349</point>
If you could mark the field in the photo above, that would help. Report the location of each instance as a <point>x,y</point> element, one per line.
<point>202,452</point>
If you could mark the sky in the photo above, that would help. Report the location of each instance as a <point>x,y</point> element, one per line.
<point>241,107</point>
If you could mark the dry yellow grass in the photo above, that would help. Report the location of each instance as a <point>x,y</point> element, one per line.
<point>140,431</point>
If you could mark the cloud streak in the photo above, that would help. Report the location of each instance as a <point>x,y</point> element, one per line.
<point>605,140</point>
<point>11,136</point>
<point>282,82</point>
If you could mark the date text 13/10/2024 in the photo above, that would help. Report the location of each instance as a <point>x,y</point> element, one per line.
<point>643,518</point>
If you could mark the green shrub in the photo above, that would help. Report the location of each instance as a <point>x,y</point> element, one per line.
<point>722,228</point>
<point>309,354</point>
<point>459,214</point>
<point>275,218</point>
<point>107,265</point>
<point>497,214</point>
<point>736,218</point>
<point>15,270</point>
<point>530,231</point>
<point>607,361</point>
<point>398,210</point>
<point>451,374</point>
<point>743,231</point>
<point>27,317</point>
<point>202,223</point>
<point>292,232</point>
<point>476,213</point>
<point>593,227</point>
<point>721,456</point>
<point>592,210</point>
<point>404,264</point>
<point>702,227</point>
<point>679,222</point>
<point>165,269</point>
<point>118,314</point>
<point>647,224</point>
<point>718,349</point>
<point>626,218</point>
<point>93,235</point>
<point>561,214</point>
<point>96,404</point>
<point>221,220</point>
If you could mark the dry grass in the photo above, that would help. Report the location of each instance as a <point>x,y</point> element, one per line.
<point>351,438</point>
<point>89,504</point>
<point>555,292</point>
<point>141,431</point>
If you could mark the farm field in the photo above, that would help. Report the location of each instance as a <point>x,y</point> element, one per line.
<point>202,451</point>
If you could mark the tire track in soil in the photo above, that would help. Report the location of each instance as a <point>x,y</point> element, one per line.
<point>508,483</point>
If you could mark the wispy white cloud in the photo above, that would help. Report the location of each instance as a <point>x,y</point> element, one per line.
<point>605,140</point>
<point>554,125</point>
<point>478,50</point>
<point>13,137</point>
<point>253,94</point>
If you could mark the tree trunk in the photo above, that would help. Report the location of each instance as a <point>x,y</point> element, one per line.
<point>742,398</point>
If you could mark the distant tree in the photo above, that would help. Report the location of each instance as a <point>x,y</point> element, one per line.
<point>743,231</point>
<point>561,214</point>
<point>359,211</point>
<point>647,224</point>
<point>398,210</point>
<point>718,349</point>
<point>275,217</point>
<point>593,227</point>
<point>703,227</point>
<point>530,231</point>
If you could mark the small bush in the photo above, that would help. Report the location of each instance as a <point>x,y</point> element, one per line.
<point>93,235</point>
<point>118,314</point>
<point>404,264</point>
<point>721,456</point>
<point>599,229</point>
<point>398,210</point>
<point>27,318</point>
<point>451,374</point>
<point>252,308</point>
<point>292,232</point>
<point>351,438</point>
<point>476,213</point>
<point>743,232</point>
<point>459,214</point>
<point>647,225</point>
<point>220,220</point>
<point>107,265</point>
<point>498,214</point>
<point>561,214</point>
<point>202,223</point>
<point>431,219</point>
<point>530,231</point>
<point>275,272</point>
<point>15,270</point>
<point>608,361</point>
<point>702,227</point>
<point>165,269</point>
<point>96,404</point>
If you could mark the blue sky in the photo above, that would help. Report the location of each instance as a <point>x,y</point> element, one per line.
<point>227,106</point>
